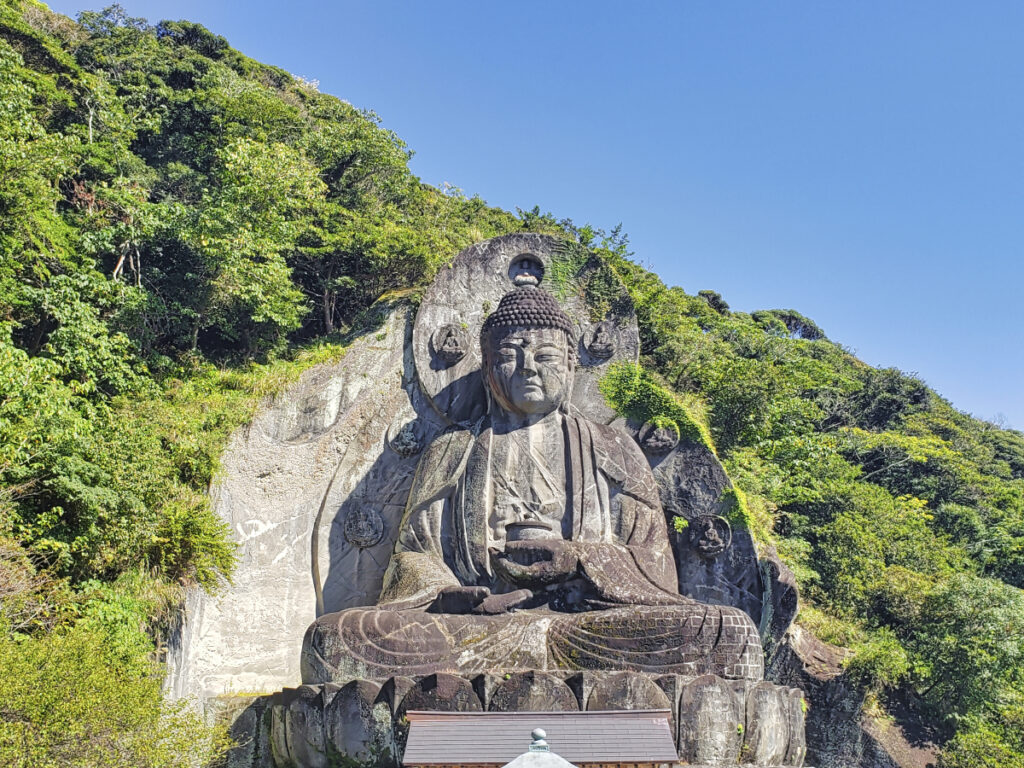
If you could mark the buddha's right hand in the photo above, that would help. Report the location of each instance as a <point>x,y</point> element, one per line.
<point>458,599</point>
<point>504,603</point>
<point>536,563</point>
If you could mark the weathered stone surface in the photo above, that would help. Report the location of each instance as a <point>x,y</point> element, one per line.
<point>710,712</point>
<point>394,689</point>
<point>276,736</point>
<point>672,686</point>
<point>694,486</point>
<point>532,692</point>
<point>304,738</point>
<point>780,603</point>
<point>766,733</point>
<point>465,293</point>
<point>832,726</point>
<point>442,693</point>
<point>539,511</point>
<point>627,690</point>
<point>382,643</point>
<point>494,526</point>
<point>711,718</point>
<point>276,478</point>
<point>796,750</point>
<point>439,693</point>
<point>358,723</point>
<point>248,719</point>
<point>837,732</point>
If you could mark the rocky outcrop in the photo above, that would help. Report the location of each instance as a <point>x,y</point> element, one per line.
<point>839,733</point>
<point>322,484</point>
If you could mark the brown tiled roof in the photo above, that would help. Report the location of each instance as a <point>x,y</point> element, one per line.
<point>639,736</point>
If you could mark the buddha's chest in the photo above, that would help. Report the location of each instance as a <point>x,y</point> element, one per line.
<point>528,473</point>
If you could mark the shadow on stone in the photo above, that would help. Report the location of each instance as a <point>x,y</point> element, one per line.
<point>532,692</point>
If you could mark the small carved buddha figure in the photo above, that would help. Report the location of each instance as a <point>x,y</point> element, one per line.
<point>602,345</point>
<point>535,541</point>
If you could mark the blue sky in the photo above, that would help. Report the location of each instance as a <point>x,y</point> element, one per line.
<point>862,163</point>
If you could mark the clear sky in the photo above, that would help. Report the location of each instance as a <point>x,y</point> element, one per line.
<point>862,163</point>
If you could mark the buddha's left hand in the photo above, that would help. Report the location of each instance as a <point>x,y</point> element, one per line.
<point>536,562</point>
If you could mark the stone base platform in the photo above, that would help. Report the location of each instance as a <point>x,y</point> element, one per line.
<point>716,722</point>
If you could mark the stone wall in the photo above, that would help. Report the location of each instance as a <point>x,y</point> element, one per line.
<point>715,722</point>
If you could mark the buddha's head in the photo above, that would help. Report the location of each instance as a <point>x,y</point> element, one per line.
<point>529,352</point>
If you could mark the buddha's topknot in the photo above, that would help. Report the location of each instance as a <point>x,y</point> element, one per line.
<point>528,306</point>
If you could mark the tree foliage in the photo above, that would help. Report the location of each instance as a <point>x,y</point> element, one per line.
<point>185,229</point>
<point>903,518</point>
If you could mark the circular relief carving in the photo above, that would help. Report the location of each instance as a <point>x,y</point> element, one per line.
<point>404,441</point>
<point>710,535</point>
<point>450,343</point>
<point>658,440</point>
<point>601,340</point>
<point>526,269</point>
<point>364,527</point>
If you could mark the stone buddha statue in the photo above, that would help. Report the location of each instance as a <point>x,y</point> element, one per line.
<point>534,541</point>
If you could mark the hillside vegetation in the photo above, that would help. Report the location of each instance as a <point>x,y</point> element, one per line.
<point>183,230</point>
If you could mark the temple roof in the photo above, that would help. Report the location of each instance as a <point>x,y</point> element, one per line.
<point>503,738</point>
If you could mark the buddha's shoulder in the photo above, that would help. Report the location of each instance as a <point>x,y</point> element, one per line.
<point>448,447</point>
<point>439,466</point>
<point>616,450</point>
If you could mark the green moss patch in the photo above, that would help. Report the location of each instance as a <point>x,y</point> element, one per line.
<point>635,394</point>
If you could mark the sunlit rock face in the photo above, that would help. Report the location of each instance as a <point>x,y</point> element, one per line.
<point>451,517</point>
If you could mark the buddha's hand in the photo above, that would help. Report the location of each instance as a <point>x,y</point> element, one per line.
<point>458,599</point>
<point>504,603</point>
<point>477,600</point>
<point>536,562</point>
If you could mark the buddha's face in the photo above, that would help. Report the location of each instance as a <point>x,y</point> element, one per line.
<point>528,370</point>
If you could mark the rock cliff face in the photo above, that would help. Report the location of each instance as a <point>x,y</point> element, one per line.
<point>276,476</point>
<point>315,487</point>
<point>839,733</point>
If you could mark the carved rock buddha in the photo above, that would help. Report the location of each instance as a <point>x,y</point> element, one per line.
<point>535,540</point>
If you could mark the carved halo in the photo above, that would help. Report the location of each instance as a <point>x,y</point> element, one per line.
<point>710,535</point>
<point>364,527</point>
<point>464,295</point>
<point>450,343</point>
<point>657,440</point>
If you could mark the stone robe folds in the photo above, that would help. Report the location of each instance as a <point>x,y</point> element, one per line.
<point>631,614</point>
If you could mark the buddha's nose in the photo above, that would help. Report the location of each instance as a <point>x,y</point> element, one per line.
<point>529,367</point>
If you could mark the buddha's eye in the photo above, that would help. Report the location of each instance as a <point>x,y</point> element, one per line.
<point>548,358</point>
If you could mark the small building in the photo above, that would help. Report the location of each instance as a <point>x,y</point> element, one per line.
<point>621,739</point>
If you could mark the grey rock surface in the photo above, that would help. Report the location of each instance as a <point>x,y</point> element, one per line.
<point>693,485</point>
<point>533,538</point>
<point>322,486</point>
<point>766,733</point>
<point>627,690</point>
<point>358,723</point>
<point>532,692</point>
<point>711,718</point>
<point>780,604</point>
<point>276,478</point>
<point>838,734</point>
